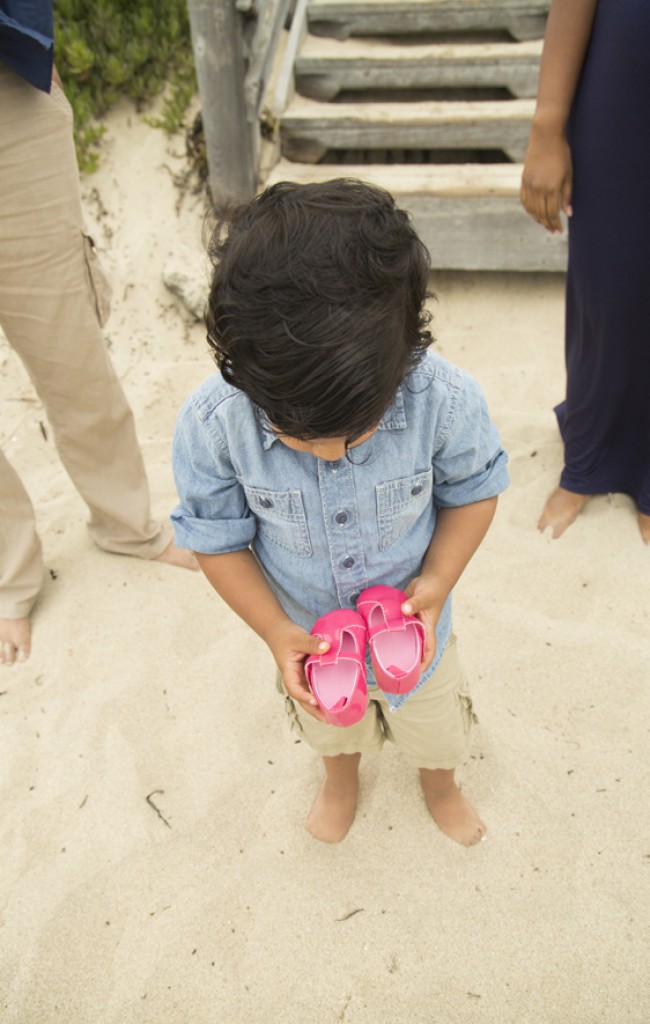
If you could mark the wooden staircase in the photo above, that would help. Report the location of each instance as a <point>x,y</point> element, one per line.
<point>431,99</point>
<point>522,19</point>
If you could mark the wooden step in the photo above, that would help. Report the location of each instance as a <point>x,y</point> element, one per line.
<point>469,216</point>
<point>324,67</point>
<point>457,180</point>
<point>309,129</point>
<point>522,19</point>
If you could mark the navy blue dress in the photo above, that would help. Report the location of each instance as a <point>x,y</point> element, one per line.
<point>605,420</point>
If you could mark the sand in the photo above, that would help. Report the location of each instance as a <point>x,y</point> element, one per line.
<point>155,869</point>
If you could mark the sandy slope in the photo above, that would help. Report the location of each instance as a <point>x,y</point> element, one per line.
<point>222,910</point>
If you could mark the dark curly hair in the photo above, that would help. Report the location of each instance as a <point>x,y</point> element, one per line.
<point>316,308</point>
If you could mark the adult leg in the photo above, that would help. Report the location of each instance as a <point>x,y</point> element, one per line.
<point>21,566</point>
<point>605,421</point>
<point>643,498</point>
<point>51,302</point>
<point>644,527</point>
<point>561,509</point>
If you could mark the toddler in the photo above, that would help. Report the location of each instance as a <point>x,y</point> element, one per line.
<point>334,451</point>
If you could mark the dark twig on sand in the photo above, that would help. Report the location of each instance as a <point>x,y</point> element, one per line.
<point>162,817</point>
<point>346,917</point>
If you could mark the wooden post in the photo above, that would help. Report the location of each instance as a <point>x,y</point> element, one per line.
<point>217,43</point>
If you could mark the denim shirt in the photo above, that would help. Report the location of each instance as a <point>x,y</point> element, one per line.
<point>324,531</point>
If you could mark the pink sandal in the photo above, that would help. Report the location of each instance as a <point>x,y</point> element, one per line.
<point>338,678</point>
<point>396,640</point>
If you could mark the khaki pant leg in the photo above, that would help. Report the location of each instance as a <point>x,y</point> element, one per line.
<point>433,727</point>
<point>51,302</point>
<point>21,561</point>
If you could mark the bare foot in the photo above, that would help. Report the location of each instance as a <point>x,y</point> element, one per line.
<point>644,526</point>
<point>15,640</point>
<point>181,557</point>
<point>449,809</point>
<point>560,510</point>
<point>336,801</point>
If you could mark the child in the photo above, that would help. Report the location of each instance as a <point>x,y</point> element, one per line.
<point>334,452</point>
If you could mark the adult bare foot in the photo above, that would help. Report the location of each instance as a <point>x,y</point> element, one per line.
<point>560,510</point>
<point>335,805</point>
<point>181,557</point>
<point>449,809</point>
<point>644,526</point>
<point>15,640</point>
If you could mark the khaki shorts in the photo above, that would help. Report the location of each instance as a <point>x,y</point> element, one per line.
<point>432,728</point>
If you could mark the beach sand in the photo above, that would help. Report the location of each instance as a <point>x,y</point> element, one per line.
<point>155,869</point>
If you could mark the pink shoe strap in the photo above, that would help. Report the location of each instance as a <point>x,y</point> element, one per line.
<point>391,612</point>
<point>330,657</point>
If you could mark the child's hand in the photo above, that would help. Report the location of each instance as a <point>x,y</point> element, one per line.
<point>290,645</point>
<point>424,600</point>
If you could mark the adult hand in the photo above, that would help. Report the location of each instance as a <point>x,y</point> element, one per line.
<point>547,179</point>
<point>290,645</point>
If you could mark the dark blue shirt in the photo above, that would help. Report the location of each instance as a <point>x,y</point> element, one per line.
<point>27,39</point>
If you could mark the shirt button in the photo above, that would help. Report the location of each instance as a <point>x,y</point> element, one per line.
<point>341,517</point>
<point>266,503</point>
<point>348,562</point>
<point>334,466</point>
<point>417,489</point>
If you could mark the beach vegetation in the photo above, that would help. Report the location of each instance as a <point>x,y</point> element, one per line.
<point>108,49</point>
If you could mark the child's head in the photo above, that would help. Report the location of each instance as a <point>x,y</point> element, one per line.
<point>316,309</point>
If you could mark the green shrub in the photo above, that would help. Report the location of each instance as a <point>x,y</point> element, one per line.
<point>105,49</point>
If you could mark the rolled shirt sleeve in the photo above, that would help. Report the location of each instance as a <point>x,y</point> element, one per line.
<point>212,516</point>
<point>470,464</point>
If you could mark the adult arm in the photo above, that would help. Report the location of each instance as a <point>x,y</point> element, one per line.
<point>239,580</point>
<point>457,536</point>
<point>547,180</point>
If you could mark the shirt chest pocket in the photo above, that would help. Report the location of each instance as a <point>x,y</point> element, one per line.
<point>281,519</point>
<point>400,503</point>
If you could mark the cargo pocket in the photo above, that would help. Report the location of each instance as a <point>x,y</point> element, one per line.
<point>467,712</point>
<point>100,289</point>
